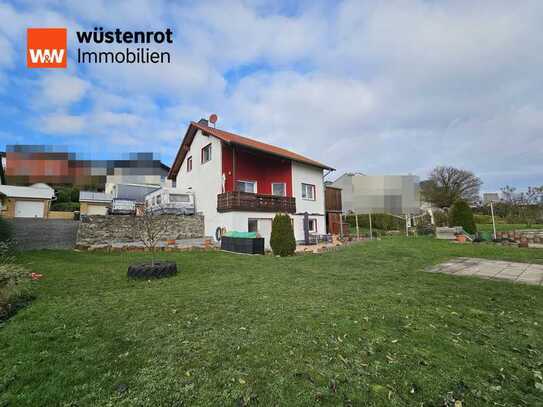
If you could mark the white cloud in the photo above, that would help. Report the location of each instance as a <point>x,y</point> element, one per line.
<point>380,87</point>
<point>61,90</point>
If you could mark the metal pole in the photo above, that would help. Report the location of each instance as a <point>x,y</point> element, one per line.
<point>357,231</point>
<point>493,220</point>
<point>341,225</point>
<point>371,229</point>
<point>406,225</point>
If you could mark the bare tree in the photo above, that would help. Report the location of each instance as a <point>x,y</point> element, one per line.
<point>150,228</point>
<point>448,184</point>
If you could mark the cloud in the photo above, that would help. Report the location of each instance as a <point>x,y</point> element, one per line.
<point>377,87</point>
<point>61,90</point>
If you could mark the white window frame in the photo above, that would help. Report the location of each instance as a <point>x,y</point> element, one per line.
<point>247,182</point>
<point>312,188</point>
<point>284,184</point>
<point>203,153</point>
<point>189,164</point>
<point>316,229</point>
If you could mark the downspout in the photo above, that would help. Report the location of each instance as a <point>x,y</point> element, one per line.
<point>233,167</point>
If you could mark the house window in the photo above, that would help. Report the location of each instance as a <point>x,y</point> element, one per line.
<point>246,186</point>
<point>313,225</point>
<point>158,200</point>
<point>308,192</point>
<point>252,225</point>
<point>279,189</point>
<point>206,154</point>
<point>189,164</point>
<point>174,184</point>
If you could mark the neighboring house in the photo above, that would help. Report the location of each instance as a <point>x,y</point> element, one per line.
<point>28,164</point>
<point>395,194</point>
<point>490,197</point>
<point>240,183</point>
<point>94,203</point>
<point>26,202</point>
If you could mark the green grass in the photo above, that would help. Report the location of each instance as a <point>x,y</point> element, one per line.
<point>361,326</point>
<point>505,227</point>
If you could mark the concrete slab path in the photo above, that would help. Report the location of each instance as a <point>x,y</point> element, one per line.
<point>526,273</point>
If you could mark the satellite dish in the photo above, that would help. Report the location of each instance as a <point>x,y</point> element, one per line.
<point>213,118</point>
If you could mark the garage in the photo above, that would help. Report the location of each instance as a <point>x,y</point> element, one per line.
<point>29,209</point>
<point>25,202</point>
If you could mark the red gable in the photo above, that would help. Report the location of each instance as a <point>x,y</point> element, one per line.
<point>232,138</point>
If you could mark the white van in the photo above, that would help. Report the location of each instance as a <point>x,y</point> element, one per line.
<point>170,200</point>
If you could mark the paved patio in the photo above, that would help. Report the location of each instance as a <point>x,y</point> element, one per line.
<point>493,269</point>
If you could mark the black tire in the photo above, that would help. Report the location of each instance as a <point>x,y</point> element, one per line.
<point>148,271</point>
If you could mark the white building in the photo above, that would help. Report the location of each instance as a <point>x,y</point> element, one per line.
<point>240,183</point>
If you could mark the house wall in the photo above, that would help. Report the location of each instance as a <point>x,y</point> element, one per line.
<point>255,166</point>
<point>205,180</point>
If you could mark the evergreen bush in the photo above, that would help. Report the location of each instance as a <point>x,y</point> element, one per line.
<point>462,215</point>
<point>282,239</point>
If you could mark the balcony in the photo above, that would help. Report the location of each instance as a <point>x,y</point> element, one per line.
<point>246,201</point>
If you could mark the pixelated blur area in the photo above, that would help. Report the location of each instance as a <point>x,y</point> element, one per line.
<point>30,164</point>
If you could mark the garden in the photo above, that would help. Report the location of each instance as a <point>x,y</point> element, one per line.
<point>363,325</point>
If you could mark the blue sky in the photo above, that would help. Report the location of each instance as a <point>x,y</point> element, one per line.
<point>377,87</point>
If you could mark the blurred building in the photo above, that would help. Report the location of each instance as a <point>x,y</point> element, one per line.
<point>29,164</point>
<point>490,197</point>
<point>394,194</point>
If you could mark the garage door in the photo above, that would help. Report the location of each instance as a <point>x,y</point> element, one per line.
<point>96,210</point>
<point>28,209</point>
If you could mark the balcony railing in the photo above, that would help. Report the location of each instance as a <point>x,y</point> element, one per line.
<point>246,201</point>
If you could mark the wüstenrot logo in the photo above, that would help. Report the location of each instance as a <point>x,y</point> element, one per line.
<point>46,47</point>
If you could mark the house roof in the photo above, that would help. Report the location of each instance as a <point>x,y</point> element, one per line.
<point>12,191</point>
<point>90,196</point>
<point>232,138</point>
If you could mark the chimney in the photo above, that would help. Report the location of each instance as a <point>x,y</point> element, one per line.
<point>204,122</point>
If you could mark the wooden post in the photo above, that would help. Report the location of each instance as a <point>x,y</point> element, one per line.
<point>493,220</point>
<point>341,224</point>
<point>371,231</point>
<point>357,231</point>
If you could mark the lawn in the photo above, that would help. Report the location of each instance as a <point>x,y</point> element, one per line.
<point>361,326</point>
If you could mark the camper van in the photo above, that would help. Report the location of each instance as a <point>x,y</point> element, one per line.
<point>170,200</point>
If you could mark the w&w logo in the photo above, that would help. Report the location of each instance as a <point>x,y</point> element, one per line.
<point>46,47</point>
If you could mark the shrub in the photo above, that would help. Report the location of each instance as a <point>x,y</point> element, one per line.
<point>441,218</point>
<point>65,206</point>
<point>462,215</point>
<point>6,230</point>
<point>14,288</point>
<point>282,239</point>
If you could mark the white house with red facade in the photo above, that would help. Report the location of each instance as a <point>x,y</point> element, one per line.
<point>239,184</point>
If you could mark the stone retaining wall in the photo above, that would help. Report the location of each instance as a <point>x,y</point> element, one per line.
<point>113,229</point>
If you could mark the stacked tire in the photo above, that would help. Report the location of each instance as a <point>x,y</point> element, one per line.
<point>147,271</point>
